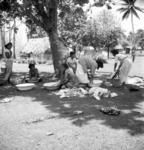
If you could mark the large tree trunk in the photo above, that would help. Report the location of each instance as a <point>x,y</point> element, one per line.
<point>57,48</point>
<point>48,21</point>
<point>132,23</point>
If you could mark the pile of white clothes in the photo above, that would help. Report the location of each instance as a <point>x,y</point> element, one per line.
<point>136,81</point>
<point>79,92</point>
<point>95,92</point>
<point>98,92</point>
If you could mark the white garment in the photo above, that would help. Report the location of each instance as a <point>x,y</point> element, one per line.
<point>81,75</point>
<point>125,69</point>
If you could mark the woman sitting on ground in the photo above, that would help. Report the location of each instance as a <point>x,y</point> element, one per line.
<point>68,77</point>
<point>122,66</point>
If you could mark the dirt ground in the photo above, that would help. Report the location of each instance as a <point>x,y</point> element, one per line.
<point>39,120</point>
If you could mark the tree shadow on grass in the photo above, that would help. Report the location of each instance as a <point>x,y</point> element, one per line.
<point>130,103</point>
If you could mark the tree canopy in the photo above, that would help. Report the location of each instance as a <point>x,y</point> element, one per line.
<point>44,13</point>
<point>128,9</point>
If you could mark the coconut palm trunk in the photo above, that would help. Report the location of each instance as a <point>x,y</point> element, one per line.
<point>129,8</point>
<point>133,31</point>
<point>133,38</point>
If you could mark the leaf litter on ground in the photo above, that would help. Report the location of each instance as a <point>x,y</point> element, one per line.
<point>7,100</point>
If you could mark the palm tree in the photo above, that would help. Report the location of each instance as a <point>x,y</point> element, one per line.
<point>130,9</point>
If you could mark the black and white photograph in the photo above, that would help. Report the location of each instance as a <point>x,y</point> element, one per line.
<point>71,75</point>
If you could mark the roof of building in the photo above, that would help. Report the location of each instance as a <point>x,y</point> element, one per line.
<point>37,45</point>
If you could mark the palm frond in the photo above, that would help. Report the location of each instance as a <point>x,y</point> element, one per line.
<point>132,2</point>
<point>124,4</point>
<point>122,10</point>
<point>128,2</point>
<point>139,9</point>
<point>126,15</point>
<point>133,11</point>
<point>125,1</point>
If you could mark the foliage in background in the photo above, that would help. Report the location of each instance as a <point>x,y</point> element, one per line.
<point>129,9</point>
<point>139,37</point>
<point>103,32</point>
<point>43,13</point>
<point>71,22</point>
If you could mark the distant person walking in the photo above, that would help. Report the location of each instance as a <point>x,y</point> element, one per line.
<point>133,54</point>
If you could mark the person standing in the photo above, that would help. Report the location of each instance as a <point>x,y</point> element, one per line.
<point>133,54</point>
<point>122,66</point>
<point>8,63</point>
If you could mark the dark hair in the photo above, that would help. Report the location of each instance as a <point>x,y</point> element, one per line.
<point>99,63</point>
<point>74,48</point>
<point>8,44</point>
<point>72,53</point>
<point>31,65</point>
<point>65,66</point>
<point>114,52</point>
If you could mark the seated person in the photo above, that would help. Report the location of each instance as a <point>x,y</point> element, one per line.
<point>68,77</point>
<point>33,74</point>
<point>72,62</point>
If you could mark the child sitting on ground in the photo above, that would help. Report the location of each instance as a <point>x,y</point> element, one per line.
<point>33,74</point>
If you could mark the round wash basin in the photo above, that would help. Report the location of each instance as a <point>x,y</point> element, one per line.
<point>25,86</point>
<point>97,82</point>
<point>51,85</point>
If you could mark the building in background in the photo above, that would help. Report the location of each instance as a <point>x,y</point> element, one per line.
<point>39,47</point>
<point>15,32</point>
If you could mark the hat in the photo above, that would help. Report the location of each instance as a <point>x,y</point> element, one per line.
<point>114,51</point>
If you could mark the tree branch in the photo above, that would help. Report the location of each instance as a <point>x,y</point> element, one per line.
<point>29,14</point>
<point>40,9</point>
